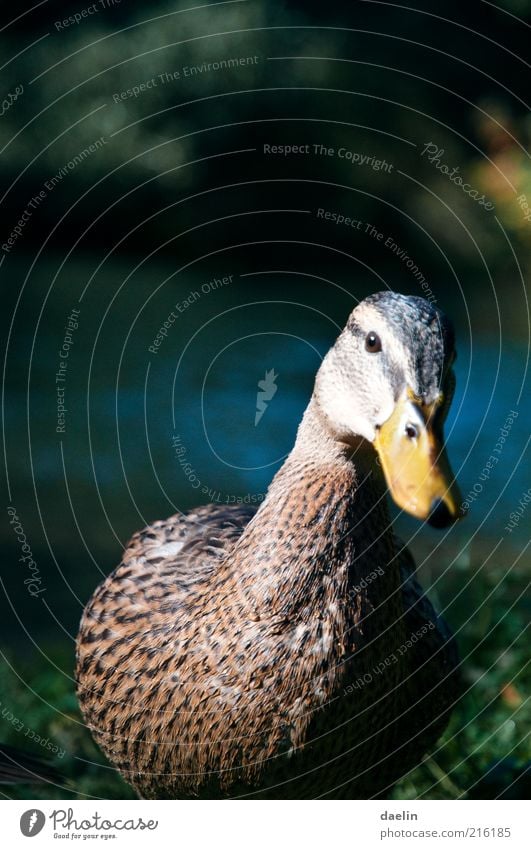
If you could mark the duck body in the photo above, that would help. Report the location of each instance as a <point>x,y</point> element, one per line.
<point>222,660</point>
<point>285,652</point>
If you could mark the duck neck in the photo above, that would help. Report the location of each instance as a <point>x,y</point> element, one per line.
<point>317,539</point>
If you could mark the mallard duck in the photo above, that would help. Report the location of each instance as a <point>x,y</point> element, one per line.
<point>288,651</point>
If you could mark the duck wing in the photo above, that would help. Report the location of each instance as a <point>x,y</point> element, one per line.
<point>187,547</point>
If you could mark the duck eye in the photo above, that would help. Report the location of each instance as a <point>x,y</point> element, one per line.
<point>373,343</point>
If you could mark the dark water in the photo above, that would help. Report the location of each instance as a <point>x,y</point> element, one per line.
<point>146,434</point>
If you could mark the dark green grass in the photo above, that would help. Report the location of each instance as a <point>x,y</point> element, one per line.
<point>485,751</point>
<point>483,754</point>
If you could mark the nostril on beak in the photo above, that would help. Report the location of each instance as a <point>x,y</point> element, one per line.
<point>440,516</point>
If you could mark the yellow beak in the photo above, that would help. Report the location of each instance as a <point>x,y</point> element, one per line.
<point>415,464</point>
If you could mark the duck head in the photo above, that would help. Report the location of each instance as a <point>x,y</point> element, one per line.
<point>388,380</point>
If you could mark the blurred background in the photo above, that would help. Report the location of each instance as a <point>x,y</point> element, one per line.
<point>163,246</point>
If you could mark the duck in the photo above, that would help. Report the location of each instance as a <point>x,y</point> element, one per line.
<point>287,651</point>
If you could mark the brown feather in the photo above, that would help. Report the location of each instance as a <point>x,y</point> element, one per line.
<point>235,652</point>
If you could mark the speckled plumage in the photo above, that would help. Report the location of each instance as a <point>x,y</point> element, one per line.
<point>264,653</point>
